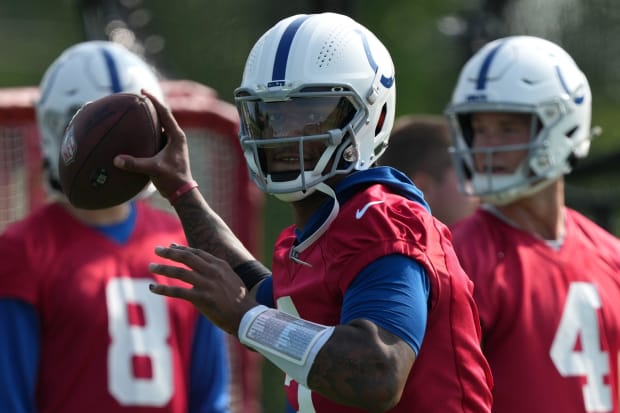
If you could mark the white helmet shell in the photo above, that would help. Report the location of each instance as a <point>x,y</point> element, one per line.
<point>312,56</point>
<point>82,73</point>
<point>522,74</point>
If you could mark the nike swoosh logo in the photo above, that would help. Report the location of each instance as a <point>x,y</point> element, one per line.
<point>360,212</point>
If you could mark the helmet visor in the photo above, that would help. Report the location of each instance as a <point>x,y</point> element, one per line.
<point>298,116</point>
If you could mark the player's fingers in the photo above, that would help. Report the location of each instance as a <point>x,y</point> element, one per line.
<point>166,117</point>
<point>146,166</point>
<point>195,259</point>
<point>202,262</point>
<point>204,255</point>
<point>171,291</point>
<point>174,271</point>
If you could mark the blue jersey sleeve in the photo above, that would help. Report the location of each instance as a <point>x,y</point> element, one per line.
<point>392,292</point>
<point>210,376</point>
<point>264,293</point>
<point>19,356</point>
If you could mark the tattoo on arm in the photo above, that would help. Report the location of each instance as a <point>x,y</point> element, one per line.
<point>362,367</point>
<point>206,230</point>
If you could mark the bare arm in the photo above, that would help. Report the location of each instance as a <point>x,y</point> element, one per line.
<point>362,365</point>
<point>206,230</point>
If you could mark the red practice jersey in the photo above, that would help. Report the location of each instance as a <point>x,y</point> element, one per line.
<point>107,344</point>
<point>450,373</point>
<point>550,317</point>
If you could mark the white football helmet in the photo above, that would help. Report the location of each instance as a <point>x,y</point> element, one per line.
<point>529,75</point>
<point>85,72</point>
<point>334,80</point>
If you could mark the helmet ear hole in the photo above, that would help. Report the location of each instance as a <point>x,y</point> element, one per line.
<point>572,161</point>
<point>381,120</point>
<point>571,132</point>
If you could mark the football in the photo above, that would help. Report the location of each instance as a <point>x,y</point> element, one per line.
<point>121,123</point>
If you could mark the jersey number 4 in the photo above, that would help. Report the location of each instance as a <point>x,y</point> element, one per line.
<point>144,340</point>
<point>580,321</point>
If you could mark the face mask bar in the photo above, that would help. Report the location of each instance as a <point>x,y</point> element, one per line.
<point>332,139</point>
<point>482,181</point>
<point>340,136</point>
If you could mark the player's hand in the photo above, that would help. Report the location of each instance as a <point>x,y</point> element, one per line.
<point>214,288</point>
<point>169,169</point>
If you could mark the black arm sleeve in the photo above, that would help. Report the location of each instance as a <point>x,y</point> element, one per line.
<point>252,272</point>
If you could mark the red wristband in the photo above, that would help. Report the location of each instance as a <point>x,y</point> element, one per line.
<point>182,190</point>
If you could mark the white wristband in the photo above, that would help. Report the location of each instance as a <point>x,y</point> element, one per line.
<point>289,342</point>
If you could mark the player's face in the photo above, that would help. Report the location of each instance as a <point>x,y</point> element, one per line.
<point>305,120</point>
<point>505,136</point>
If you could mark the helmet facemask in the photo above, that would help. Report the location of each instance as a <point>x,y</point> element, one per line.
<point>477,171</point>
<point>312,130</point>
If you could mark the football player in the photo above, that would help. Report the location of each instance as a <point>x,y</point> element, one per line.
<point>367,307</point>
<point>546,279</point>
<point>80,331</point>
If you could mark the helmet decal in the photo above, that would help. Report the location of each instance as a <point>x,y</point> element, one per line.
<point>385,81</point>
<point>115,82</point>
<point>486,65</point>
<point>279,65</point>
<point>577,99</point>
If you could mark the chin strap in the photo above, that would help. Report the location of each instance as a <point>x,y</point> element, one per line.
<point>297,249</point>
